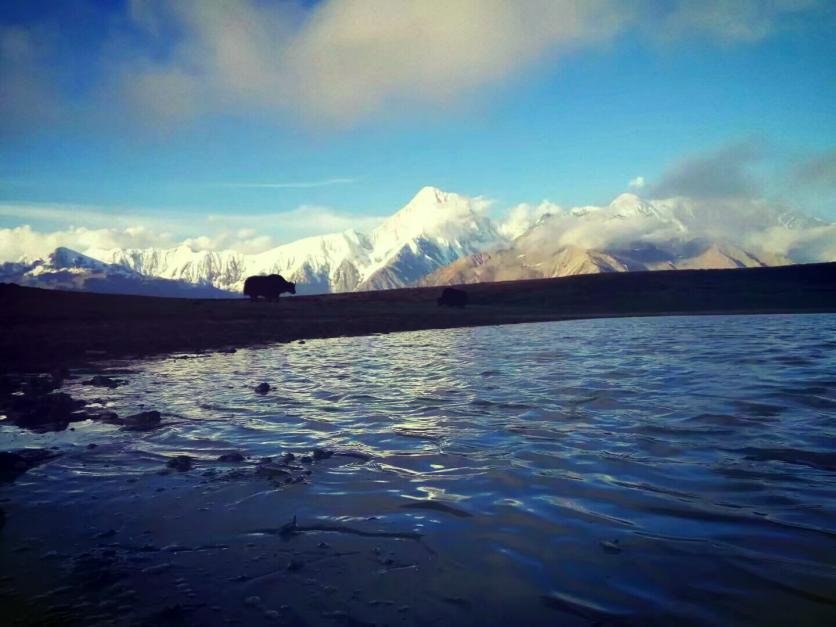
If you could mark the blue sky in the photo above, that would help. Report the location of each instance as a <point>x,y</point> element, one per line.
<point>156,112</point>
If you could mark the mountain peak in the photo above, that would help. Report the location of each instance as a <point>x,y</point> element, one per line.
<point>628,200</point>
<point>430,194</point>
<point>63,257</point>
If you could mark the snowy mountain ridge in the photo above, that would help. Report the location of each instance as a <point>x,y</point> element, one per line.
<point>436,230</point>
<point>69,269</point>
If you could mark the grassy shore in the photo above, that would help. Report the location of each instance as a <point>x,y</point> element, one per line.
<point>44,329</point>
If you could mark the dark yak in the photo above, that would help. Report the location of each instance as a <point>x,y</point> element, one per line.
<point>269,287</point>
<point>452,297</point>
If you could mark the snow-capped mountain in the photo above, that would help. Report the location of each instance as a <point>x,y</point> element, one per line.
<point>629,234</point>
<point>435,228</point>
<point>68,269</point>
<point>442,238</point>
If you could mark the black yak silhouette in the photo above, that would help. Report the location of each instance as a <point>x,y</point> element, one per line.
<point>452,297</point>
<point>269,287</point>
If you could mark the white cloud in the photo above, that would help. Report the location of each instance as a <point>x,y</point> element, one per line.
<point>88,215</point>
<point>335,61</point>
<point>806,245</point>
<point>292,184</point>
<point>637,182</point>
<point>23,241</point>
<point>522,217</point>
<point>83,228</point>
<point>304,221</point>
<point>757,224</point>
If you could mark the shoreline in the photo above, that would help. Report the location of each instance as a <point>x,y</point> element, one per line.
<point>46,330</point>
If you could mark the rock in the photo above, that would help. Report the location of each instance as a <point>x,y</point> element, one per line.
<point>273,472</point>
<point>43,412</point>
<point>143,421</point>
<point>262,388</point>
<point>103,415</point>
<point>180,463</point>
<point>288,529</point>
<point>288,457</point>
<point>101,381</point>
<point>319,453</point>
<point>354,454</point>
<point>14,463</point>
<point>305,459</point>
<point>37,384</point>
<point>235,457</point>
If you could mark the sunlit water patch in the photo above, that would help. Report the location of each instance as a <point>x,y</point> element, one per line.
<point>610,470</point>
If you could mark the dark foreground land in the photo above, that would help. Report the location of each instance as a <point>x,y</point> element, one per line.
<point>46,329</point>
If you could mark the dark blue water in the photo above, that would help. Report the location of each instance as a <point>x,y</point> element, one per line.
<point>638,470</point>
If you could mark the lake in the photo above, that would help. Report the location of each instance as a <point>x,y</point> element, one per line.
<point>618,471</point>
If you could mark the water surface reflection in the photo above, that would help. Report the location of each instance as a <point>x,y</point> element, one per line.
<point>669,467</point>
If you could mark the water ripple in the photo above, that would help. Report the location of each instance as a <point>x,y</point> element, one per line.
<point>537,443</point>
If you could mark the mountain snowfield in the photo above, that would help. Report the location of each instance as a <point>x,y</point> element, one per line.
<point>441,238</point>
<point>71,270</point>
<point>434,229</point>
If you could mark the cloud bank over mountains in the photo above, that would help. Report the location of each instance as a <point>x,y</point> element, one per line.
<point>731,193</point>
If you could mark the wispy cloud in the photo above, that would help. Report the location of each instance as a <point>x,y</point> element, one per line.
<point>84,215</point>
<point>290,184</point>
<point>34,229</point>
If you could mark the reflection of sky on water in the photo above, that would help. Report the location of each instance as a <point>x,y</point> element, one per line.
<point>682,438</point>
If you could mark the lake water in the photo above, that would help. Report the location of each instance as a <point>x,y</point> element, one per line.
<point>627,471</point>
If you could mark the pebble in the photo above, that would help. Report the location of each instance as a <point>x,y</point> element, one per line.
<point>319,453</point>
<point>180,463</point>
<point>231,457</point>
